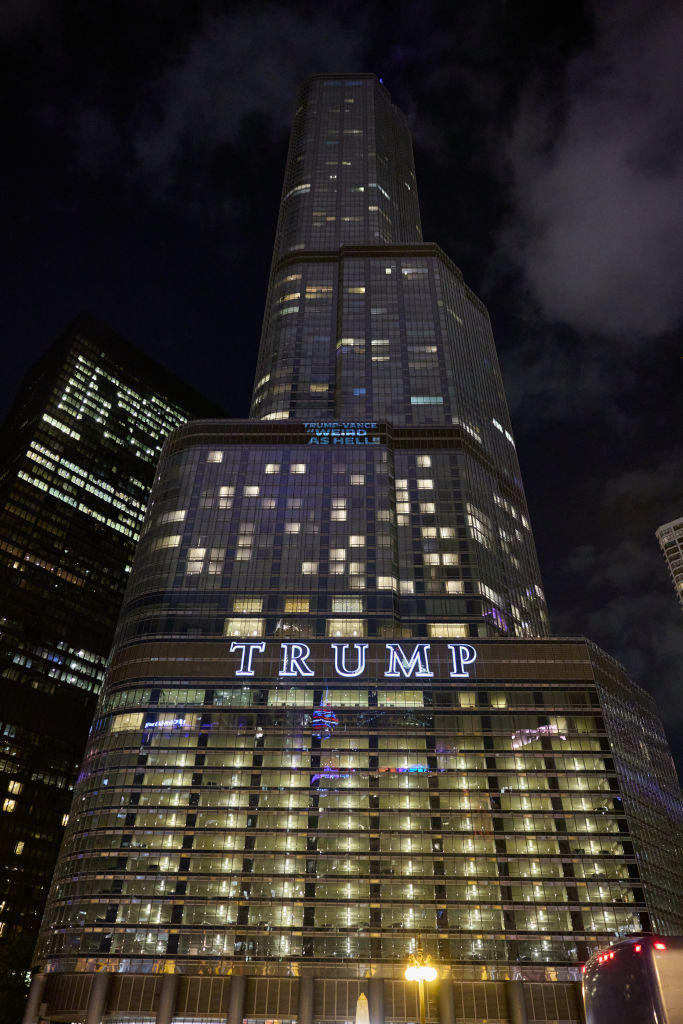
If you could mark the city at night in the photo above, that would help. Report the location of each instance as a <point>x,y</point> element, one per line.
<point>340,520</point>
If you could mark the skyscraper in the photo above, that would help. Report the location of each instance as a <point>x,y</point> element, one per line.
<point>335,733</point>
<point>670,537</point>
<point>79,450</point>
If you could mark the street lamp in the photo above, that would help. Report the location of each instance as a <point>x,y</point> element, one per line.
<point>420,970</point>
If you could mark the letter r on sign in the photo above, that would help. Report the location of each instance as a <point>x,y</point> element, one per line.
<point>294,660</point>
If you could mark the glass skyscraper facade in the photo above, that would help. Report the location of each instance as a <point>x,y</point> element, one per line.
<point>78,453</point>
<point>335,731</point>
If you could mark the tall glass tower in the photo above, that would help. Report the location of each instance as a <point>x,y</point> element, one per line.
<point>334,733</point>
<point>78,453</point>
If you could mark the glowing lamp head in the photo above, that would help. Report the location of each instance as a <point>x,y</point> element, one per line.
<point>420,972</point>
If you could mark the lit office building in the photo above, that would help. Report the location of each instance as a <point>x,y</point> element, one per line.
<point>79,449</point>
<point>670,537</point>
<point>334,733</point>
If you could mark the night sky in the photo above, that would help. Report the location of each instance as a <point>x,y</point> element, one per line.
<point>144,147</point>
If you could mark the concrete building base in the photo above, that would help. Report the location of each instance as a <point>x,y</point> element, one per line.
<point>307,998</point>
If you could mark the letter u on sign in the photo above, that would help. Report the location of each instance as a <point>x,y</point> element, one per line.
<point>340,666</point>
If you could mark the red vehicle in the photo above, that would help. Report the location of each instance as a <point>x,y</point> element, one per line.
<point>636,981</point>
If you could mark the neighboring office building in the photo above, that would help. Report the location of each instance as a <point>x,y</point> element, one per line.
<point>78,452</point>
<point>670,537</point>
<point>334,729</point>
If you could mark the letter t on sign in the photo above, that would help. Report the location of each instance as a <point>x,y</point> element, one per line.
<point>247,650</point>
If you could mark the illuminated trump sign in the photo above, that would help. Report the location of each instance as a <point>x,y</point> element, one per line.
<point>347,660</point>
<point>342,433</point>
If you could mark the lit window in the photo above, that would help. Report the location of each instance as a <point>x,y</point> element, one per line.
<point>251,491</point>
<point>425,485</point>
<point>357,479</point>
<point>455,587</point>
<point>269,503</point>
<point>15,787</point>
<point>244,627</point>
<point>225,497</point>
<point>338,514</point>
<point>214,457</point>
<point>317,388</point>
<point>348,604</point>
<point>431,558</point>
<point>447,629</point>
<point>346,627</point>
<point>424,461</point>
<point>195,560</point>
<point>272,467</point>
<point>407,587</point>
<point>356,568</point>
<point>337,568</point>
<point>172,541</point>
<point>172,517</point>
<point>292,527</point>
<point>479,524</point>
<point>446,532</point>
<point>297,467</point>
<point>427,507</point>
<point>309,568</point>
<point>337,553</point>
<point>449,558</point>
<point>9,805</point>
<point>65,820</point>
<point>387,583</point>
<point>359,290</point>
<point>19,848</point>
<point>428,531</point>
<point>426,400</point>
<point>247,605</point>
<point>296,605</point>
<point>357,540</point>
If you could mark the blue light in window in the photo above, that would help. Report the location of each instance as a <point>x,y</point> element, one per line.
<point>359,391</point>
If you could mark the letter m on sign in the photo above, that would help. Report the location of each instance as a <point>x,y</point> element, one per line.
<point>401,665</point>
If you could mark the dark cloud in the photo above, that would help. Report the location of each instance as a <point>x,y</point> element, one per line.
<point>617,588</point>
<point>552,374</point>
<point>632,612</point>
<point>597,180</point>
<point>18,17</point>
<point>237,65</point>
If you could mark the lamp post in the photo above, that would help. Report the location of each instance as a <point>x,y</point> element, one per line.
<point>420,970</point>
